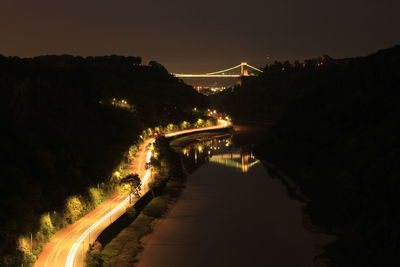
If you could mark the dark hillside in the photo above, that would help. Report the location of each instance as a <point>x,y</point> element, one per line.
<point>63,130</point>
<point>341,143</point>
<point>337,134</point>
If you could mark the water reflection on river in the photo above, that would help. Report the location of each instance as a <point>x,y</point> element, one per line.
<point>220,151</point>
<point>231,214</point>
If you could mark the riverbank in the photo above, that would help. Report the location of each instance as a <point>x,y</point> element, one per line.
<point>295,192</point>
<point>124,248</point>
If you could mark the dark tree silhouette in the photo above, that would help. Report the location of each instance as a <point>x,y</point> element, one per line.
<point>133,180</point>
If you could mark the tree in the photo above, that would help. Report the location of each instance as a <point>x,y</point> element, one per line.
<point>157,66</point>
<point>297,64</point>
<point>327,60</point>
<point>286,65</point>
<point>276,66</point>
<point>73,209</point>
<point>46,225</point>
<point>134,181</point>
<point>95,195</point>
<point>311,63</point>
<point>136,60</point>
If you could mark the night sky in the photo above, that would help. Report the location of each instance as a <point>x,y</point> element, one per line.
<point>199,36</point>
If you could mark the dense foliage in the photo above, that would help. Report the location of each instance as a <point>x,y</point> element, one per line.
<point>67,122</point>
<point>337,134</point>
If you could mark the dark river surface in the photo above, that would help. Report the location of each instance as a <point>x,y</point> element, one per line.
<point>232,213</point>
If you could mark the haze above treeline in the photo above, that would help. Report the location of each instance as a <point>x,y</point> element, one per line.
<point>198,37</point>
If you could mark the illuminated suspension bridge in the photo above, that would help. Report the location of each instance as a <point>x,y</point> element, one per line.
<point>244,71</point>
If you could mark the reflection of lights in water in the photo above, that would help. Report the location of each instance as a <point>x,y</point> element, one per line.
<point>242,159</point>
<point>231,160</point>
<point>185,152</point>
<point>245,161</point>
<point>228,156</point>
<point>227,161</point>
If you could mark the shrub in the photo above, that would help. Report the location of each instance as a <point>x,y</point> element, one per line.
<point>96,196</point>
<point>46,226</point>
<point>73,209</point>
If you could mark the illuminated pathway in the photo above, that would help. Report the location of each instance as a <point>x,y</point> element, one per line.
<point>68,248</point>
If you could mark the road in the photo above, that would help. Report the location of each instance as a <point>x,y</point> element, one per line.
<point>221,124</point>
<point>68,247</point>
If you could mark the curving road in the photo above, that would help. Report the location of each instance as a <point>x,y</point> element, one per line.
<point>68,247</point>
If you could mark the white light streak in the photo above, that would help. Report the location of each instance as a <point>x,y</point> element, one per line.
<point>73,251</point>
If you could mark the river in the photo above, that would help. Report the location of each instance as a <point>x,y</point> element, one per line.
<point>232,213</point>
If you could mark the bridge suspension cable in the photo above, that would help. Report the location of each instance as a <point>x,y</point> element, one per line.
<point>254,68</point>
<point>220,71</point>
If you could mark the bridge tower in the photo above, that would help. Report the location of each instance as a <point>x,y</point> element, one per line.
<point>243,69</point>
